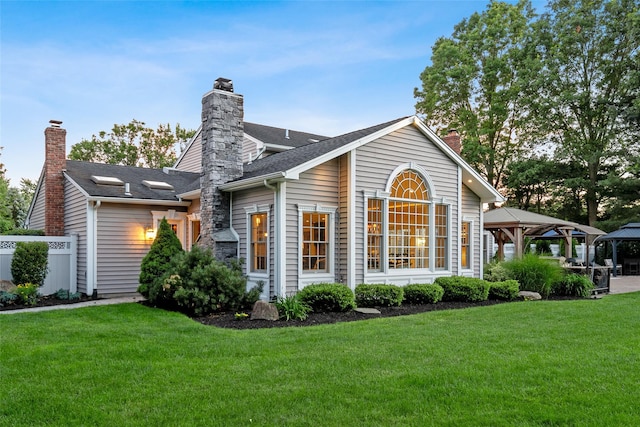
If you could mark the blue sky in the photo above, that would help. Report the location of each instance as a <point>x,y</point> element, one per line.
<point>322,67</point>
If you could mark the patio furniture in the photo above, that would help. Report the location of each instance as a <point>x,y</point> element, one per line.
<point>618,267</point>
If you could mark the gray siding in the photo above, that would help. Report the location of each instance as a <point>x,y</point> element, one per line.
<point>75,222</point>
<point>121,246</point>
<point>471,208</point>
<point>192,159</point>
<point>316,186</point>
<point>375,162</point>
<point>36,220</point>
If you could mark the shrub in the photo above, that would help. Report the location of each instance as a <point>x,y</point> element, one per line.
<point>534,273</point>
<point>378,295</point>
<point>156,262</point>
<point>64,294</point>
<point>507,290</point>
<point>464,289</point>
<point>324,297</point>
<point>573,285</point>
<point>496,272</point>
<point>423,293</point>
<point>7,298</point>
<point>24,232</point>
<point>197,284</point>
<point>292,307</point>
<point>30,263</point>
<point>27,293</point>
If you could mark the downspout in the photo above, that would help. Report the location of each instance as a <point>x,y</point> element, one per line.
<point>92,251</point>
<point>277,276</point>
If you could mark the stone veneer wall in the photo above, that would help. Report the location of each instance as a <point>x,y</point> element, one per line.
<point>54,164</point>
<point>222,134</point>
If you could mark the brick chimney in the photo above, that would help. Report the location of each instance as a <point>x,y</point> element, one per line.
<point>54,164</point>
<point>453,140</point>
<point>222,136</point>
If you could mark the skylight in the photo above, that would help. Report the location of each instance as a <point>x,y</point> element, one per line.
<point>158,185</point>
<point>106,180</point>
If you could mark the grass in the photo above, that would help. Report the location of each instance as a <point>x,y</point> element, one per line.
<point>530,363</point>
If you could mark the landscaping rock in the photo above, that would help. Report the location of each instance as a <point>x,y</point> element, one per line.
<point>365,310</point>
<point>262,310</point>
<point>6,285</point>
<point>529,296</point>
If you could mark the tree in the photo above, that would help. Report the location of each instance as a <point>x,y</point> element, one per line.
<point>133,144</point>
<point>585,91</point>
<point>475,85</point>
<point>5,211</point>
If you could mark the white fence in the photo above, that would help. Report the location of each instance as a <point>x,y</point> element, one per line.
<point>63,256</point>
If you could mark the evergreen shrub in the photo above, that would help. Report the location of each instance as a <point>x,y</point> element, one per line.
<point>156,262</point>
<point>428,293</point>
<point>463,289</point>
<point>534,274</point>
<point>496,272</point>
<point>507,290</point>
<point>30,263</point>
<point>328,297</point>
<point>23,232</point>
<point>573,285</point>
<point>374,295</point>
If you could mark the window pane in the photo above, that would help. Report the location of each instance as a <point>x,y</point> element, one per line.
<point>258,246</point>
<point>408,235</point>
<point>409,185</point>
<point>465,244</point>
<point>374,234</point>
<point>315,241</point>
<point>441,223</point>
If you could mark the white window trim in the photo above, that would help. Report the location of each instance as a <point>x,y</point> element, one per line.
<point>307,278</point>
<point>250,210</point>
<point>192,217</point>
<point>470,254</point>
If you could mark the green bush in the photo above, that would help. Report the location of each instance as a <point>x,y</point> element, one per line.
<point>573,285</point>
<point>464,289</point>
<point>64,294</point>
<point>429,293</point>
<point>507,290</point>
<point>7,298</point>
<point>23,232</point>
<point>534,273</point>
<point>197,284</point>
<point>495,272</point>
<point>156,262</point>
<point>27,293</point>
<point>327,297</point>
<point>374,295</point>
<point>30,263</point>
<point>292,307</point>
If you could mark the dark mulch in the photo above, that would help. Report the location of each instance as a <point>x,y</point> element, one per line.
<point>46,301</point>
<point>228,320</point>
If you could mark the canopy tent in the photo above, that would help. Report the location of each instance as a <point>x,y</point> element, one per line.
<point>626,233</point>
<point>510,224</point>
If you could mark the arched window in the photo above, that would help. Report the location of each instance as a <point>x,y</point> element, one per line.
<point>409,185</point>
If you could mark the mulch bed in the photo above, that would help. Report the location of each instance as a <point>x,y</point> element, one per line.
<point>228,320</point>
<point>46,301</point>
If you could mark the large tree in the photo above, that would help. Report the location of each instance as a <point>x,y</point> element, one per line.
<point>5,208</point>
<point>585,90</point>
<point>475,84</point>
<point>133,144</point>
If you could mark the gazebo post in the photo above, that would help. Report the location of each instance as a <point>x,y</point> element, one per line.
<point>614,257</point>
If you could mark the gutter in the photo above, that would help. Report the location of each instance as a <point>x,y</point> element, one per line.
<point>251,182</point>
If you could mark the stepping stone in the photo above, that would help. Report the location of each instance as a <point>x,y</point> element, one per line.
<point>365,310</point>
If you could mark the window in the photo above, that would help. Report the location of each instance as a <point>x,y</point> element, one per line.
<point>409,222</point>
<point>374,234</point>
<point>465,245</point>
<point>315,241</point>
<point>258,245</point>
<point>442,238</point>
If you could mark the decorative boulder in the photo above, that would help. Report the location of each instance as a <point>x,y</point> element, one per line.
<point>263,310</point>
<point>529,296</point>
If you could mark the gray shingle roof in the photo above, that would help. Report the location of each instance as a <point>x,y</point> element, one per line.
<point>278,136</point>
<point>81,173</point>
<point>630,231</point>
<point>286,160</point>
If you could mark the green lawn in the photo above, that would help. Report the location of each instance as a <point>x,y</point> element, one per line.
<point>528,363</point>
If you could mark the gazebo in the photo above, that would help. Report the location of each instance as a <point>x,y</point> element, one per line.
<point>626,233</point>
<point>513,225</point>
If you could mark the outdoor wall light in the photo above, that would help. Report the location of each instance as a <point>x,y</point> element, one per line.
<point>150,233</point>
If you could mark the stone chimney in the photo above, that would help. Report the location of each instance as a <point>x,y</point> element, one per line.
<point>54,164</point>
<point>222,136</point>
<point>453,140</point>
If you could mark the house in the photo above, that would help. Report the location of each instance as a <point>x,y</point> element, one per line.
<point>392,203</point>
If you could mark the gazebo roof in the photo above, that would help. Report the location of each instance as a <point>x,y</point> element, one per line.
<point>534,224</point>
<point>630,231</point>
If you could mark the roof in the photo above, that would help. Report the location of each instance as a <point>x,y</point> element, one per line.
<point>629,231</point>
<point>81,174</point>
<point>281,136</point>
<point>536,224</point>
